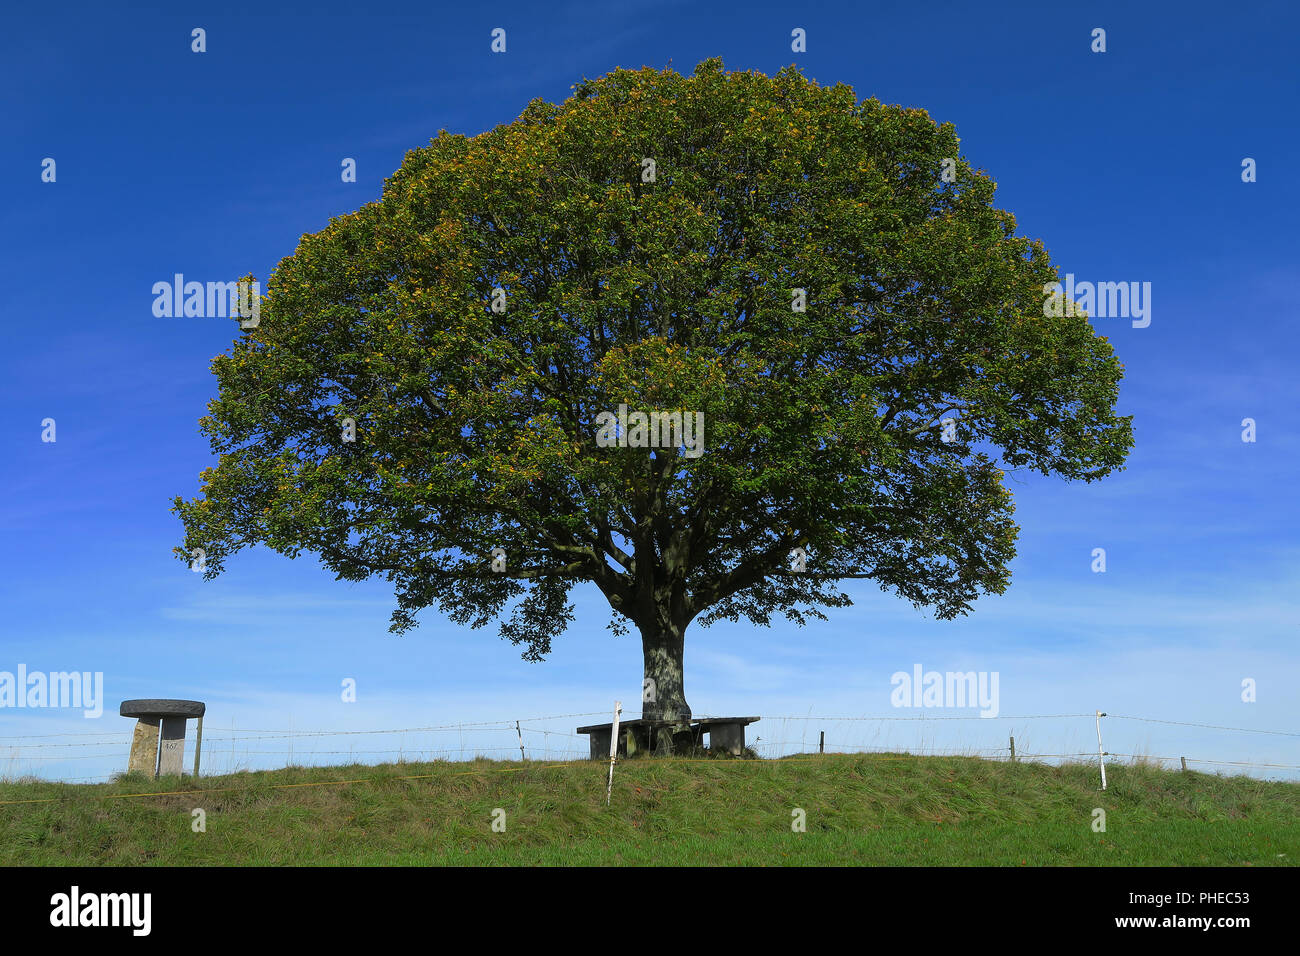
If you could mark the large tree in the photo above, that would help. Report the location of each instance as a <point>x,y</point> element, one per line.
<point>824,280</point>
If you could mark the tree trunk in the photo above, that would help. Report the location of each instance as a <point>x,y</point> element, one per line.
<point>663,696</point>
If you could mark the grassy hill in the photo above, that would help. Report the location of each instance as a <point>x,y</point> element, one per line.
<point>877,809</point>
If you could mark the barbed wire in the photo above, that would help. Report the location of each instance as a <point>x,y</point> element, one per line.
<point>1224,763</point>
<point>489,726</point>
<point>21,752</point>
<point>527,765</point>
<point>65,757</point>
<point>1184,723</point>
<point>8,747</point>
<point>96,733</point>
<point>402,750</point>
<point>398,730</point>
<point>939,717</point>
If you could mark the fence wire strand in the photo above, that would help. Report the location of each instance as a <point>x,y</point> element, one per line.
<point>99,744</point>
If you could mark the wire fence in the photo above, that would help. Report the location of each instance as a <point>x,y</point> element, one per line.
<point>231,749</point>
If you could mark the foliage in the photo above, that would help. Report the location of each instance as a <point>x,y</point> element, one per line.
<point>475,428</point>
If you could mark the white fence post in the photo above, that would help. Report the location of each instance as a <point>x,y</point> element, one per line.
<point>1101,754</point>
<point>520,734</point>
<point>613,749</point>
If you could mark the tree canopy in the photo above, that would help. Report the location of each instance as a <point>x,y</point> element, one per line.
<point>823,279</point>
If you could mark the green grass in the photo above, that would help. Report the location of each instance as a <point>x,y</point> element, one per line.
<point>860,809</point>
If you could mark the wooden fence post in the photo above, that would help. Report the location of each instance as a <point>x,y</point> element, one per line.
<point>613,750</point>
<point>1013,749</point>
<point>198,745</point>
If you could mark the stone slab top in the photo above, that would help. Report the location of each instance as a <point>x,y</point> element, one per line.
<point>159,707</point>
<point>644,721</point>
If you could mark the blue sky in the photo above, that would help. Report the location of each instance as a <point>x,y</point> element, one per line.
<point>1126,163</point>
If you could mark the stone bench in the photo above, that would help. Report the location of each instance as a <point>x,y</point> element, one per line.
<point>726,733</point>
<point>646,734</point>
<point>158,747</point>
<point>634,736</point>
